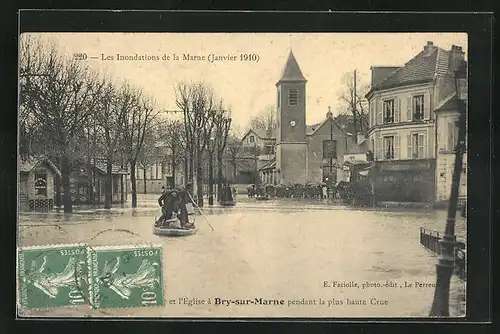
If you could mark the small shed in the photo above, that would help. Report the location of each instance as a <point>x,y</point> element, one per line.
<point>80,183</point>
<point>36,184</point>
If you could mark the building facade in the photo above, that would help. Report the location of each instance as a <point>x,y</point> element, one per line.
<point>36,184</point>
<point>404,133</point>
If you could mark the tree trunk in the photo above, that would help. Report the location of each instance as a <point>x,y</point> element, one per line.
<point>186,170</point>
<point>199,182</point>
<point>108,185</point>
<point>89,180</point>
<point>58,184</point>
<point>65,175</point>
<point>210,179</point>
<point>133,182</point>
<point>144,177</point>
<point>122,190</point>
<point>191,167</point>
<point>233,161</point>
<point>173,163</point>
<point>219,176</point>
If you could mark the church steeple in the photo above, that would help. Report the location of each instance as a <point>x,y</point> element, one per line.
<point>291,71</point>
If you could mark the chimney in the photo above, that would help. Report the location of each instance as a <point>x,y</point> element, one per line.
<point>429,47</point>
<point>456,57</point>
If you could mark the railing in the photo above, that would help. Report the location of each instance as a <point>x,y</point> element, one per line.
<point>430,240</point>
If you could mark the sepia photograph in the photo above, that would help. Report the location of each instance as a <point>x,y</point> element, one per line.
<point>226,175</point>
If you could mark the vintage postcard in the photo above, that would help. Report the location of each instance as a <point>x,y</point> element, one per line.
<point>222,175</point>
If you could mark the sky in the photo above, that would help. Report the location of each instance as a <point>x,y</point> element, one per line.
<point>248,87</point>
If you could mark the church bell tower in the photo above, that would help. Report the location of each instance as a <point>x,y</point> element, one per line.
<point>291,143</point>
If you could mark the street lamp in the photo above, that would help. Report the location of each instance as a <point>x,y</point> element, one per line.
<point>211,172</point>
<point>446,264</point>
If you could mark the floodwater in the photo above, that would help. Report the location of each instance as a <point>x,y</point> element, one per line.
<point>275,250</point>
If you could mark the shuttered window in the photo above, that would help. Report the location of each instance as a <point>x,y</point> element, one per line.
<point>293,97</point>
<point>416,146</point>
<point>388,111</point>
<point>389,147</point>
<point>418,108</point>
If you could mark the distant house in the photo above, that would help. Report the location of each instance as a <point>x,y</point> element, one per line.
<point>36,184</point>
<point>80,182</point>
<point>405,104</point>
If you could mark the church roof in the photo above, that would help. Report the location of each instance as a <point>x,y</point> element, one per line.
<point>291,71</point>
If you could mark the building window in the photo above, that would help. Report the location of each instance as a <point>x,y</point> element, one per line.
<point>452,136</point>
<point>389,111</point>
<point>293,97</point>
<point>389,147</point>
<point>417,146</point>
<point>388,178</point>
<point>270,149</point>
<point>83,190</point>
<point>41,184</point>
<point>252,139</point>
<point>418,108</point>
<point>329,149</point>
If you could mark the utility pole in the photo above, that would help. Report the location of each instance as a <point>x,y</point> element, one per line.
<point>446,264</point>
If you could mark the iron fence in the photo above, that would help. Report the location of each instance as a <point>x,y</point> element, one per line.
<point>430,240</point>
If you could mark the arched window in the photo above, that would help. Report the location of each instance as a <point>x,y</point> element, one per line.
<point>41,184</point>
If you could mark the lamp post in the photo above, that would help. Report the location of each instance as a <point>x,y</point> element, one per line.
<point>446,264</point>
<point>211,172</point>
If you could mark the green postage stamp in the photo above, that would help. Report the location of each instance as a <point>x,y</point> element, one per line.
<point>53,276</point>
<point>126,276</point>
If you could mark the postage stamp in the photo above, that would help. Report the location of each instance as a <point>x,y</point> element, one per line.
<point>53,276</point>
<point>126,276</point>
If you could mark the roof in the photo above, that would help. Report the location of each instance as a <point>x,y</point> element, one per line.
<point>26,165</point>
<point>291,71</point>
<point>449,103</point>
<point>262,133</point>
<point>356,162</point>
<point>269,165</point>
<point>420,69</point>
<point>312,129</point>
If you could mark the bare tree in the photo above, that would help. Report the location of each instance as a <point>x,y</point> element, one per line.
<point>59,96</point>
<point>114,104</point>
<point>265,120</point>
<point>196,100</point>
<point>233,149</point>
<point>354,101</point>
<point>173,150</point>
<point>148,155</point>
<point>222,125</point>
<point>137,123</point>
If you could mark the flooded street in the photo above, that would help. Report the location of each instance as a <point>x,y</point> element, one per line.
<point>299,252</point>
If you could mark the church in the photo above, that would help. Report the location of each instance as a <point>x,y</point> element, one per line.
<point>303,153</point>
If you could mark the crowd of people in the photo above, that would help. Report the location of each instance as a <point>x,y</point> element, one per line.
<point>346,192</point>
